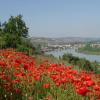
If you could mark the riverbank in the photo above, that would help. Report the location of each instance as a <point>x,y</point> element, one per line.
<point>88,51</point>
<point>72,51</point>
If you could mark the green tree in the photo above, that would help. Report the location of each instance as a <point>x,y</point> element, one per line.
<point>11,40</point>
<point>0,29</point>
<point>16,25</point>
<point>13,30</point>
<point>14,34</point>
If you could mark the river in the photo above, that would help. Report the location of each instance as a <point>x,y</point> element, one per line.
<point>89,57</point>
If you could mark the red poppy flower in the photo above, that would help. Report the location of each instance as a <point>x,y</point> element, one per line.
<point>37,78</point>
<point>82,91</point>
<point>46,85</point>
<point>96,88</point>
<point>89,83</point>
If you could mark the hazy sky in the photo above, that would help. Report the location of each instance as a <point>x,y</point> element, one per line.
<point>56,18</point>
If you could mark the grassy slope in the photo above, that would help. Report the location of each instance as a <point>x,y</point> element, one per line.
<point>51,59</point>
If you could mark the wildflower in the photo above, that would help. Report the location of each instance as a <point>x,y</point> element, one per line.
<point>37,78</point>
<point>18,90</point>
<point>46,85</point>
<point>89,83</point>
<point>96,88</point>
<point>82,91</point>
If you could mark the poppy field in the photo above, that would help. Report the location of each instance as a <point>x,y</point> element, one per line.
<point>21,78</point>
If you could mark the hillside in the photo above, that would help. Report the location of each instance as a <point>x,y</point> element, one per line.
<point>63,40</point>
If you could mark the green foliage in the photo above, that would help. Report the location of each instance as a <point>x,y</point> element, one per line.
<point>89,49</point>
<point>2,43</point>
<point>11,40</point>
<point>12,31</point>
<point>70,58</point>
<point>81,62</point>
<point>14,34</point>
<point>15,25</point>
<point>0,28</point>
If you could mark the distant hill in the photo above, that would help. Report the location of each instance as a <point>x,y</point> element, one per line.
<point>62,40</point>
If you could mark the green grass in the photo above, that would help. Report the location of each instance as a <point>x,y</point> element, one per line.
<point>89,50</point>
<point>52,59</point>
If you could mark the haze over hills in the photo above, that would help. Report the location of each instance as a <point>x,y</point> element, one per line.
<point>63,40</point>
